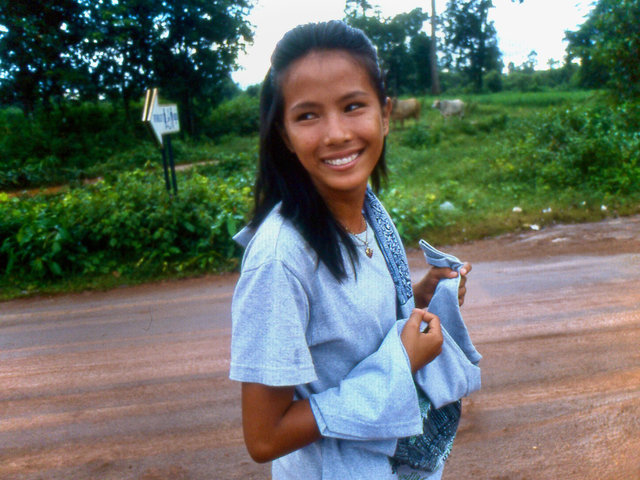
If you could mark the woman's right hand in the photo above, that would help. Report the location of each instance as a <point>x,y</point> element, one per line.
<point>421,347</point>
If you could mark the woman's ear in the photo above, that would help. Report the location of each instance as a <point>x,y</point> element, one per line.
<point>386,115</point>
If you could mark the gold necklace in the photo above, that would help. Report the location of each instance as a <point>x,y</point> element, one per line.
<point>367,249</point>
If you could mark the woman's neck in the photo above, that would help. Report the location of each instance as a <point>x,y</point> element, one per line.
<point>347,210</point>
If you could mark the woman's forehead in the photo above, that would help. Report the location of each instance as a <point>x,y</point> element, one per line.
<point>325,69</point>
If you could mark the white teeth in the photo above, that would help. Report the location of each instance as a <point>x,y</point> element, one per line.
<point>342,161</point>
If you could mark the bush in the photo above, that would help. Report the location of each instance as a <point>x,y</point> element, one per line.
<point>418,136</point>
<point>594,146</point>
<point>59,146</point>
<point>493,81</point>
<point>129,227</point>
<point>238,116</point>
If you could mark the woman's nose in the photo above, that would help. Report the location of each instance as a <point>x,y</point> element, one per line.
<point>337,130</point>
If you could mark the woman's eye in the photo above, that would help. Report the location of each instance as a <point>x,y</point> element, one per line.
<point>354,106</point>
<point>305,116</point>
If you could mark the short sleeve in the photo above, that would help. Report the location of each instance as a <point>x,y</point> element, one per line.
<point>270,314</point>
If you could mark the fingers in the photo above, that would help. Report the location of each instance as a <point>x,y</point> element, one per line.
<point>462,289</point>
<point>421,347</point>
<point>418,316</point>
<point>413,324</point>
<point>430,318</point>
<point>438,273</point>
<point>465,269</point>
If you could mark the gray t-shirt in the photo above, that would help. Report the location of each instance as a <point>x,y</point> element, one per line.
<point>338,343</point>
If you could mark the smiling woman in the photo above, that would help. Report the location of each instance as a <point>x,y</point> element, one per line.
<point>326,366</point>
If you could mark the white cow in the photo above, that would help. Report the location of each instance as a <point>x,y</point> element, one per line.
<point>450,107</point>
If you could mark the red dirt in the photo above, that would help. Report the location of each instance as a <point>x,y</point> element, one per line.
<point>132,383</point>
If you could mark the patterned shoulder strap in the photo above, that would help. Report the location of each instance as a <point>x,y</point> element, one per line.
<point>390,244</point>
<point>428,451</point>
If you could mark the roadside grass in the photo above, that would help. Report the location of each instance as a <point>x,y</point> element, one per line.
<point>457,180</point>
<point>514,162</point>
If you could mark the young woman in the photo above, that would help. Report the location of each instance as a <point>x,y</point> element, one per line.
<point>325,363</point>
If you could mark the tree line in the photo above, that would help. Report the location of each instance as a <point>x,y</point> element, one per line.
<point>469,44</point>
<point>55,52</point>
<point>601,53</point>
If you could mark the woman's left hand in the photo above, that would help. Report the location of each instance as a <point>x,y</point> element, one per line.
<point>424,289</point>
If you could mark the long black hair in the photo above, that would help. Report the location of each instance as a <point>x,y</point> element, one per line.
<point>281,177</point>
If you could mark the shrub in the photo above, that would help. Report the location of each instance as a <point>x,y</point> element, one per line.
<point>238,116</point>
<point>493,81</point>
<point>418,135</point>
<point>59,146</point>
<point>129,226</point>
<point>595,146</point>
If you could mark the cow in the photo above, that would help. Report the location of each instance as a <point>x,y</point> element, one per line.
<point>403,109</point>
<point>450,107</point>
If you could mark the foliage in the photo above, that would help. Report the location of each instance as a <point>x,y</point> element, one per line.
<point>75,49</point>
<point>493,81</point>
<point>64,144</point>
<point>237,116</point>
<point>532,81</point>
<point>199,43</point>
<point>533,150</point>
<point>37,51</point>
<point>129,227</point>
<point>608,46</point>
<point>471,43</point>
<point>402,46</point>
<point>594,147</point>
<point>119,45</point>
<point>557,155</point>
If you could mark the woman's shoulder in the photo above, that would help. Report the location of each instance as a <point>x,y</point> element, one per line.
<point>277,239</point>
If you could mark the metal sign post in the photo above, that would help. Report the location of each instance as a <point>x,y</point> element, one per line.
<point>162,120</point>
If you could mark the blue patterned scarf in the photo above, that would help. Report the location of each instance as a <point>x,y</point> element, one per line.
<point>428,451</point>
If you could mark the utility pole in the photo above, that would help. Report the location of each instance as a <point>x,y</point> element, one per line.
<point>435,79</point>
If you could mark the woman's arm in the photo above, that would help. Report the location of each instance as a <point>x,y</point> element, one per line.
<point>275,424</point>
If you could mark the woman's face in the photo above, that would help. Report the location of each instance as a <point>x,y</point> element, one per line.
<point>333,121</point>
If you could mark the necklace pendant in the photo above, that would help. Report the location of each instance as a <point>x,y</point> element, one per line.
<point>369,252</point>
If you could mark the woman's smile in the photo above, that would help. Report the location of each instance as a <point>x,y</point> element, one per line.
<point>344,161</point>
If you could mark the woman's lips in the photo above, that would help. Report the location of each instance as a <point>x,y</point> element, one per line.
<point>338,162</point>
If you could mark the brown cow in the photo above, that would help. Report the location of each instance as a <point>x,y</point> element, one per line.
<point>403,109</point>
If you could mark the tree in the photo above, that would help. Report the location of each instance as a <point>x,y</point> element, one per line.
<point>92,48</point>
<point>433,53</point>
<point>471,41</point>
<point>38,44</point>
<point>608,46</point>
<point>402,45</point>
<point>188,48</point>
<point>199,44</point>
<point>120,47</point>
<point>532,61</point>
<point>421,79</point>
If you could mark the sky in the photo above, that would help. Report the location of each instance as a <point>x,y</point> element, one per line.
<point>533,25</point>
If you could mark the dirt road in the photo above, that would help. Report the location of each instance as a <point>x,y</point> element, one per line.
<point>132,383</point>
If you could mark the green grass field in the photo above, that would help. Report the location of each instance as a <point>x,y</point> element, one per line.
<point>484,166</point>
<point>513,161</point>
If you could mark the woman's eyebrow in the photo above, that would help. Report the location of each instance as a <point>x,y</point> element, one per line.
<point>304,105</point>
<point>354,94</point>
